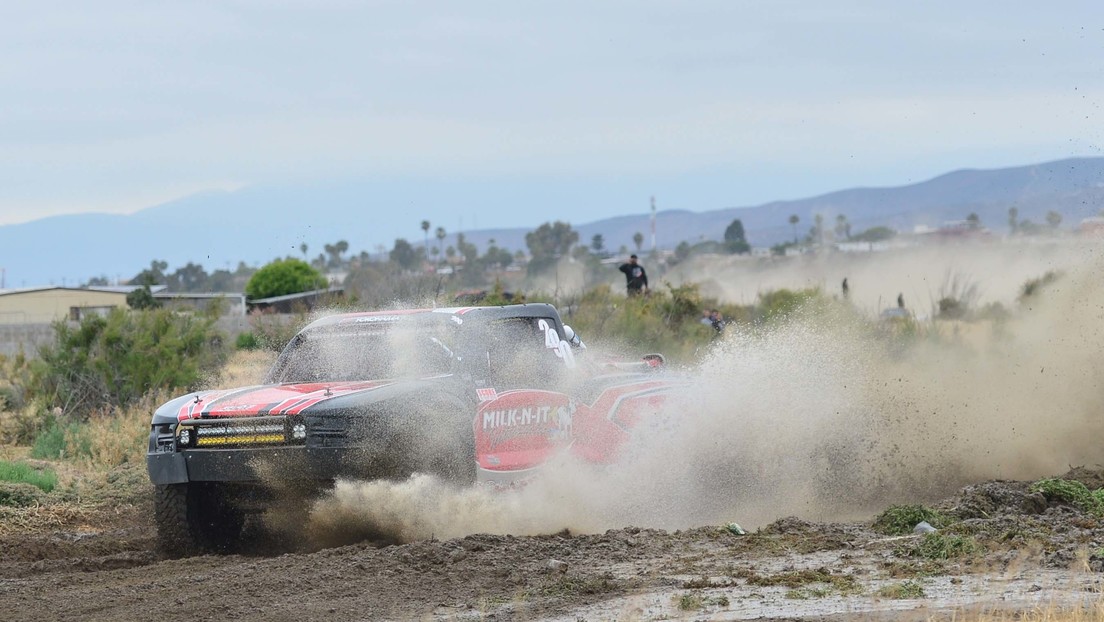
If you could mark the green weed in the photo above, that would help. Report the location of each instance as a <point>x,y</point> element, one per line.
<point>906,589</point>
<point>901,519</point>
<point>1072,492</point>
<point>23,473</point>
<point>941,546</point>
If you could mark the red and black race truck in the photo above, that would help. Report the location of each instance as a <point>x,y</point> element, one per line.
<point>473,395</point>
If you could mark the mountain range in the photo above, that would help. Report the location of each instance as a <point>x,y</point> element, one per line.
<point>257,224</point>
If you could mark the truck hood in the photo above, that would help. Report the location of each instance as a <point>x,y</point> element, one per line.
<point>286,399</point>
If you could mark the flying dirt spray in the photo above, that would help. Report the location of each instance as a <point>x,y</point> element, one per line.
<point>820,417</point>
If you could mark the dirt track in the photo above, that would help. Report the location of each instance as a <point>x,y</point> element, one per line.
<point>102,565</point>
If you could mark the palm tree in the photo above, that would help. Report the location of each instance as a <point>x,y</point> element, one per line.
<point>303,249</point>
<point>793,223</point>
<point>638,240</point>
<point>425,233</point>
<point>440,238</point>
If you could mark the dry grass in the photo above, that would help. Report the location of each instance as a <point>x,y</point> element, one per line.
<point>246,367</point>
<point>38,519</point>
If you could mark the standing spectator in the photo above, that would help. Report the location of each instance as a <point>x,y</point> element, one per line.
<point>636,280</point>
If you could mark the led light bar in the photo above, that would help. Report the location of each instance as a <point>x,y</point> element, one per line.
<point>253,431</point>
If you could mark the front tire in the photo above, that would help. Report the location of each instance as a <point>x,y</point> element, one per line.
<point>196,517</point>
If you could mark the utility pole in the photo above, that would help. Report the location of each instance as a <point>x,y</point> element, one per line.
<point>653,226</point>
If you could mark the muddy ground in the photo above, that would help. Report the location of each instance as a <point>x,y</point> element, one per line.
<point>1005,548</point>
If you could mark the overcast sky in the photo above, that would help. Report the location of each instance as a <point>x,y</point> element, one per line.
<point>114,106</point>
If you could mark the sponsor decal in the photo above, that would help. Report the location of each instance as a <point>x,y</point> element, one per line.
<point>486,395</point>
<point>528,417</point>
<point>376,318</point>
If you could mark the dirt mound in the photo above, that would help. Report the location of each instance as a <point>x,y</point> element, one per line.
<point>995,498</point>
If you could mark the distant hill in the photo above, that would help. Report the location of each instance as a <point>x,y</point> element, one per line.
<point>257,224</point>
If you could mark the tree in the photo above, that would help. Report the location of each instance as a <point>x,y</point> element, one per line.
<point>142,298</point>
<point>303,249</point>
<point>817,232</point>
<point>440,234</point>
<point>597,244</point>
<point>1053,219</point>
<point>843,228</point>
<point>973,220</point>
<point>425,233</point>
<point>1013,220</point>
<point>735,239</point>
<point>548,243</point>
<point>153,275</point>
<point>282,277</point>
<point>638,240</point>
<point>793,223</point>
<point>404,255</point>
<point>191,278</point>
<point>97,281</point>
<point>468,251</point>
<point>682,251</point>
<point>874,234</point>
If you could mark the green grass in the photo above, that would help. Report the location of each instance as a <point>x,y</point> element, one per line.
<point>1072,492</point>
<point>899,520</point>
<point>939,546</point>
<point>23,473</point>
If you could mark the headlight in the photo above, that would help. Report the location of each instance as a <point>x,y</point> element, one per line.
<point>184,437</point>
<point>299,431</point>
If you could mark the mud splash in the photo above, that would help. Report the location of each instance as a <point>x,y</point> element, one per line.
<point>819,418</point>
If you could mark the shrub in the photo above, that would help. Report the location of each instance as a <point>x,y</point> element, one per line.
<point>1032,287</point>
<point>50,444</point>
<point>247,341</point>
<point>782,304</point>
<point>118,358</point>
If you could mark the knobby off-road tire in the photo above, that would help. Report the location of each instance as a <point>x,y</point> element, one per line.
<point>195,518</point>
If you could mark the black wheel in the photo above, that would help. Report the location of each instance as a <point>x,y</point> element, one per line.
<point>196,517</point>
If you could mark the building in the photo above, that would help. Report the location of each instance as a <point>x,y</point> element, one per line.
<point>43,305</point>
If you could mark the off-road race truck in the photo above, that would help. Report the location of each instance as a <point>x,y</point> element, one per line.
<point>473,395</point>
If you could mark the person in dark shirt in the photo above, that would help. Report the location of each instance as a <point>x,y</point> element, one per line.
<point>636,280</point>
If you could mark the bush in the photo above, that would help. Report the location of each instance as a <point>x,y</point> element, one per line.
<point>1032,287</point>
<point>247,341</point>
<point>50,444</point>
<point>782,304</point>
<point>116,359</point>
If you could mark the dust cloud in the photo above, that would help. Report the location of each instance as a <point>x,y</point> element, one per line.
<point>824,417</point>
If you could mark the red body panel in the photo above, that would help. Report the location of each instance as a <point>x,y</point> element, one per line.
<point>285,399</point>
